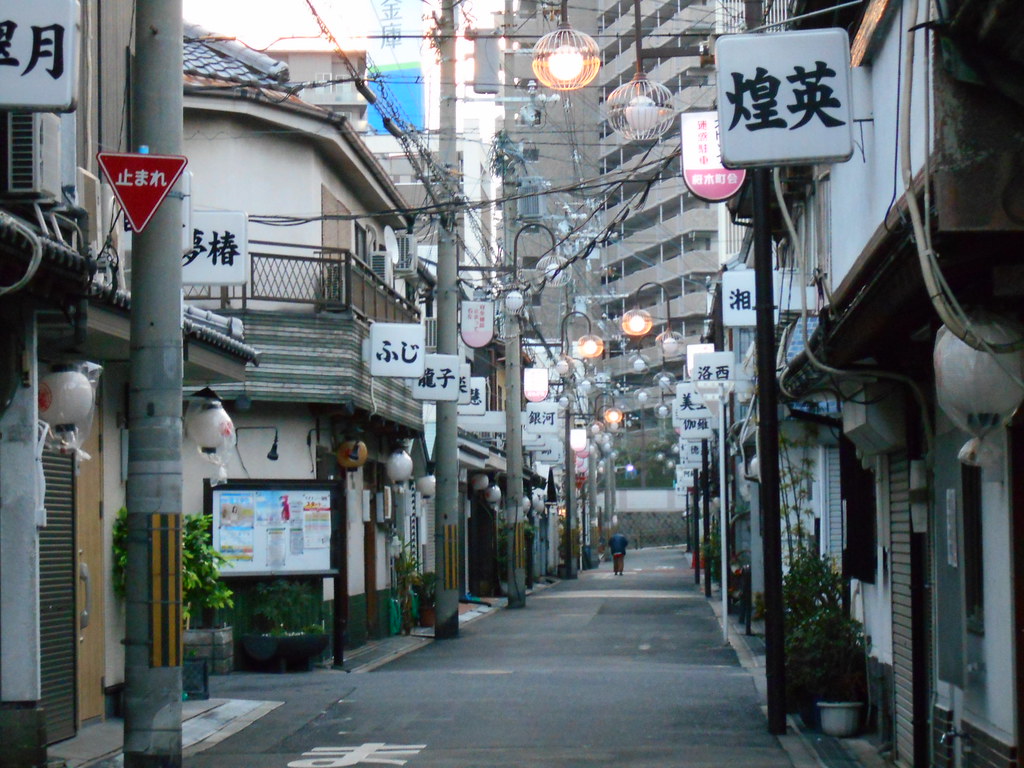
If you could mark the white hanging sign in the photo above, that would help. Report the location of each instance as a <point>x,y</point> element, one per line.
<point>541,417</point>
<point>713,367</point>
<point>695,349</point>
<point>440,379</point>
<point>477,401</point>
<point>784,98</point>
<point>535,384</point>
<point>38,55</point>
<point>690,416</point>
<point>690,454</point>
<point>397,350</point>
<point>477,323</point>
<point>219,253</point>
<point>703,172</point>
<point>739,305</point>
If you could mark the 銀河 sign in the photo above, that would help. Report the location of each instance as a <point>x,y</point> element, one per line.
<point>784,98</point>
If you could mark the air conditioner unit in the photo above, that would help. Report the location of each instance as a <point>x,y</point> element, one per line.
<point>531,201</point>
<point>33,155</point>
<point>380,263</point>
<point>407,260</point>
<point>88,189</point>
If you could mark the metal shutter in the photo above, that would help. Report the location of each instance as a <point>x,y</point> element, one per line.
<point>832,504</point>
<point>57,622</point>
<point>902,613</point>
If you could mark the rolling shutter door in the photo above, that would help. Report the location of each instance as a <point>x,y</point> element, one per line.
<point>833,504</point>
<point>57,624</point>
<point>902,610</point>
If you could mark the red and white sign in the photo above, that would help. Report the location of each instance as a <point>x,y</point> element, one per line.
<point>477,323</point>
<point>140,182</point>
<point>703,172</point>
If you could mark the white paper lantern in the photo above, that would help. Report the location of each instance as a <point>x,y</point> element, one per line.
<point>209,425</point>
<point>65,399</point>
<point>399,466</point>
<point>492,495</point>
<point>479,481</point>
<point>426,485</point>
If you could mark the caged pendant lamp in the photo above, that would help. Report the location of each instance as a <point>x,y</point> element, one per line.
<point>566,59</point>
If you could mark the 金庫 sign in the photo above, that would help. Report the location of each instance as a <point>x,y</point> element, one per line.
<point>397,350</point>
<point>784,98</point>
<point>38,55</point>
<point>220,249</point>
<point>440,379</point>
<point>703,172</point>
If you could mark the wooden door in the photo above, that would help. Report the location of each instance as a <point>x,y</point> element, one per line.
<point>91,567</point>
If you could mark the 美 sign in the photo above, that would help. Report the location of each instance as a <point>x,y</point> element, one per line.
<point>38,55</point>
<point>397,350</point>
<point>784,98</point>
<point>219,253</point>
<point>703,172</point>
<point>690,417</point>
<point>440,379</point>
<point>140,182</point>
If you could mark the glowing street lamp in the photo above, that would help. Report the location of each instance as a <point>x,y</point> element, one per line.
<point>566,60</point>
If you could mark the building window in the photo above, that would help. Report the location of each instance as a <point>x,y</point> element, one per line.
<point>361,243</point>
<point>974,594</point>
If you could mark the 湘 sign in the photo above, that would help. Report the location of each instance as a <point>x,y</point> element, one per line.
<point>784,97</point>
<point>38,55</point>
<point>140,182</point>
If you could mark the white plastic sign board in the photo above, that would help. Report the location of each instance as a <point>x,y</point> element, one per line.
<point>739,306</point>
<point>690,417</point>
<point>397,350</point>
<point>219,249</point>
<point>784,98</point>
<point>477,323</point>
<point>714,367</point>
<point>440,379</point>
<point>464,383</point>
<point>38,55</point>
<point>690,454</point>
<point>541,417</point>
<point>492,422</point>
<point>703,172</point>
<point>693,350</point>
<point>476,403</point>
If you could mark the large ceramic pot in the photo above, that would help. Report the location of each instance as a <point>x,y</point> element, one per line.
<point>840,718</point>
<point>284,652</point>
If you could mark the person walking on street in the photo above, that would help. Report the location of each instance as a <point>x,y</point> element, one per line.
<point>618,543</point>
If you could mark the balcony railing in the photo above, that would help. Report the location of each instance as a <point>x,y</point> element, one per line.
<point>330,279</point>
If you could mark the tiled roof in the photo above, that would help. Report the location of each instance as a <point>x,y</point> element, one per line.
<point>220,58</point>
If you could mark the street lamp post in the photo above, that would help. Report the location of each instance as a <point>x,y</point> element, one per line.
<point>516,575</point>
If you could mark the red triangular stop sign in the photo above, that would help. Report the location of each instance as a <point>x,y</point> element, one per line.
<point>140,182</point>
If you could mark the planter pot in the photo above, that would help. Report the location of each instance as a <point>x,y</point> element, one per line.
<point>840,718</point>
<point>214,645</point>
<point>284,652</point>
<point>195,679</point>
<point>428,614</point>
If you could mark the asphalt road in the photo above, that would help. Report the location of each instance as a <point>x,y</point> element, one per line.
<point>627,671</point>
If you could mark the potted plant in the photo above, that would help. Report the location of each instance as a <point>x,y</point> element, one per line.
<point>287,640</point>
<point>208,649</point>
<point>407,579</point>
<point>427,593</point>
<point>825,648</point>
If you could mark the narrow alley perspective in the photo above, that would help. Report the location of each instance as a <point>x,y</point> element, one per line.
<point>598,671</point>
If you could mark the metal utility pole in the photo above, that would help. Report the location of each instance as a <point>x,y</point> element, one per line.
<point>448,507</point>
<point>152,698</point>
<point>768,459</point>
<point>705,475</point>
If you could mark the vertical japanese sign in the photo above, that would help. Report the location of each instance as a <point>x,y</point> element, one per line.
<point>690,417</point>
<point>395,50</point>
<point>440,379</point>
<point>477,323</point>
<point>220,249</point>
<point>784,97</point>
<point>38,55</point>
<point>397,350</point>
<point>476,404</point>
<point>703,172</point>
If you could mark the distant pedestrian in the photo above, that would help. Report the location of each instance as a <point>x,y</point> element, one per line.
<point>618,543</point>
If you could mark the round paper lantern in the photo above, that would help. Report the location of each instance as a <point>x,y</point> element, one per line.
<point>352,454</point>
<point>209,425</point>
<point>479,482</point>
<point>426,485</point>
<point>65,398</point>
<point>492,495</point>
<point>399,466</point>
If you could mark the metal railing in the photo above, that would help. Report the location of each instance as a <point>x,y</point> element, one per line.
<point>331,279</point>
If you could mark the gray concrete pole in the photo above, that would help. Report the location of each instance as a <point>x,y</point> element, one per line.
<point>571,570</point>
<point>152,726</point>
<point>514,462</point>
<point>448,506</point>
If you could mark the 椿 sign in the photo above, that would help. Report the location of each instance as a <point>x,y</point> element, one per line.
<point>784,98</point>
<point>219,252</point>
<point>703,172</point>
<point>140,182</point>
<point>38,55</point>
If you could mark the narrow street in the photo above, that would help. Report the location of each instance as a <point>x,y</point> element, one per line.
<point>626,671</point>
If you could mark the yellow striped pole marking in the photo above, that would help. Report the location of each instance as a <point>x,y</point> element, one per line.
<point>165,590</point>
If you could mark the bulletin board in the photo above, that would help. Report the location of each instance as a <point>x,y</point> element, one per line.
<point>267,528</point>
